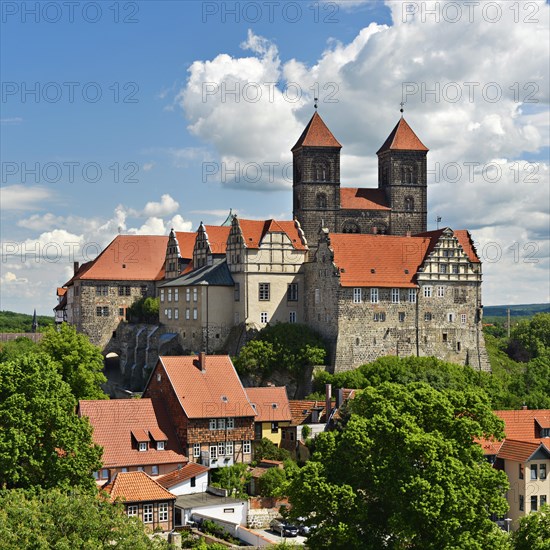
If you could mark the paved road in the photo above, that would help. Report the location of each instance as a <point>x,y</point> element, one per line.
<point>275,537</point>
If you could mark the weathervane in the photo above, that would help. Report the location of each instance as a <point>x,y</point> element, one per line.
<point>438,221</point>
<point>402,105</point>
<point>315,99</point>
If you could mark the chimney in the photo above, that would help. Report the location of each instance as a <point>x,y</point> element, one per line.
<point>202,361</point>
<point>524,407</point>
<point>328,397</point>
<point>408,233</point>
<point>76,265</point>
<point>339,398</point>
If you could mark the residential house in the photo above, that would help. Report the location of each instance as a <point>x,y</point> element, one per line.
<point>143,498</point>
<point>61,308</point>
<point>136,435</point>
<point>191,478</point>
<point>208,406</point>
<point>272,412</point>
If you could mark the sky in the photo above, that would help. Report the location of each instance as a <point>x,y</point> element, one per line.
<point>138,117</point>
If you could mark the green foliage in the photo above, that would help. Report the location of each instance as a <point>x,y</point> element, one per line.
<point>286,347</point>
<point>273,483</point>
<point>266,449</point>
<point>306,432</point>
<point>14,348</point>
<point>404,472</point>
<point>54,519</point>
<point>21,322</point>
<point>233,478</point>
<point>534,531</point>
<point>43,443</point>
<point>530,339</point>
<point>144,310</point>
<point>80,363</point>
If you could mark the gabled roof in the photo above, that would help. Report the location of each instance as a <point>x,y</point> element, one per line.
<point>301,410</point>
<point>136,487</point>
<point>353,198</point>
<point>217,274</point>
<point>402,138</point>
<point>520,451</point>
<point>182,474</point>
<point>316,134</point>
<point>61,291</point>
<point>378,260</point>
<point>462,235</point>
<point>270,403</point>
<point>186,242</point>
<point>213,392</point>
<point>254,231</point>
<point>127,258</point>
<point>217,237</point>
<point>117,421</point>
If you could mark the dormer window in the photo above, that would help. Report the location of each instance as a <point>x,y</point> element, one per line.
<point>160,445</point>
<point>142,446</point>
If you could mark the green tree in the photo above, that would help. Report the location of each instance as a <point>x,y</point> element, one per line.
<point>43,443</point>
<point>233,478</point>
<point>534,531</point>
<point>80,362</point>
<point>404,472</point>
<point>273,483</point>
<point>14,348</point>
<point>531,338</point>
<point>56,519</point>
<point>266,449</point>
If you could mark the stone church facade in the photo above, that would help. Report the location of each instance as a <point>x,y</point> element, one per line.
<point>356,264</point>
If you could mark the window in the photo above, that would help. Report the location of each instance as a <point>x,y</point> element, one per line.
<point>176,295</point>
<point>147,513</point>
<point>463,318</point>
<point>237,292</point>
<point>292,317</point>
<point>142,446</point>
<point>102,311</point>
<point>455,269</point>
<point>229,448</point>
<point>427,316</point>
<point>542,500</point>
<point>124,470</point>
<point>409,202</point>
<point>230,423</point>
<point>195,314</point>
<point>321,197</point>
<point>195,295</point>
<point>213,452</point>
<point>380,317</point>
<point>534,474</point>
<point>188,314</point>
<point>143,290</point>
<point>101,290</point>
<point>212,424</point>
<point>121,312</point>
<point>221,449</point>
<point>187,294</point>
<point>221,423</point>
<point>246,447</point>
<point>521,503</point>
<point>412,295</point>
<point>263,317</point>
<point>521,471</point>
<point>160,445</point>
<point>427,292</point>
<point>292,292</point>
<point>96,474</point>
<point>395,295</point>
<point>444,336</point>
<point>105,473</point>
<point>534,503</point>
<point>542,474</point>
<point>442,268</point>
<point>274,427</point>
<point>162,294</point>
<point>163,511</point>
<point>132,511</point>
<point>176,313</point>
<point>317,295</point>
<point>154,470</point>
<point>196,450</point>
<point>401,316</point>
<point>373,295</point>
<point>169,311</point>
<point>124,290</point>
<point>193,481</point>
<point>140,469</point>
<point>357,296</point>
<point>440,291</point>
<point>451,317</point>
<point>263,292</point>
<point>169,294</point>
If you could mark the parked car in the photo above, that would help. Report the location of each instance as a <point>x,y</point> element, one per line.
<point>283,528</point>
<point>304,529</point>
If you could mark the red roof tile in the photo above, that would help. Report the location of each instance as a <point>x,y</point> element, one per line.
<point>128,258</point>
<point>402,138</point>
<point>264,399</point>
<point>215,392</point>
<point>520,424</point>
<point>352,198</point>
<point>186,242</point>
<point>378,260</point>
<point>520,451</point>
<point>217,237</point>
<point>316,134</point>
<point>115,420</point>
<point>182,474</point>
<point>254,232</point>
<point>463,237</point>
<point>300,410</point>
<point>61,291</point>
<point>136,487</point>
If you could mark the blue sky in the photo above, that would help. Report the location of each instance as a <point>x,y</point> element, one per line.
<point>162,120</point>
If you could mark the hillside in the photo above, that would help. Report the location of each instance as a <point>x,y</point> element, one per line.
<point>11,321</point>
<point>525,310</point>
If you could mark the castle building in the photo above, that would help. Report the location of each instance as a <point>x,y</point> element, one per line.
<point>356,264</point>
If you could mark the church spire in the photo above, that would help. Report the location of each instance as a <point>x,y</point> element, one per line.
<point>316,134</point>
<point>402,138</point>
<point>34,327</point>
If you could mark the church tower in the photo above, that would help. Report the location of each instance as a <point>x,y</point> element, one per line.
<point>402,175</point>
<point>316,179</point>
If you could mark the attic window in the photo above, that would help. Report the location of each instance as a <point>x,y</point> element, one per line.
<point>407,271</point>
<point>142,446</point>
<point>273,405</point>
<point>123,266</point>
<point>225,399</point>
<point>160,445</point>
<point>373,270</point>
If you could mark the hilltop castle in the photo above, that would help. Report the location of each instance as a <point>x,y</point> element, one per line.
<point>356,264</point>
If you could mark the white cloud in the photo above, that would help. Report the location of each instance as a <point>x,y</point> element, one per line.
<point>21,197</point>
<point>148,166</point>
<point>167,205</point>
<point>11,278</point>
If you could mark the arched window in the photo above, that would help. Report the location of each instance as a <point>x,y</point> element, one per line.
<point>321,172</point>
<point>408,174</point>
<point>379,229</point>
<point>409,204</point>
<point>321,200</point>
<point>350,227</point>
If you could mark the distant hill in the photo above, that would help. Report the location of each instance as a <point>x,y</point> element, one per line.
<point>525,310</point>
<point>22,322</point>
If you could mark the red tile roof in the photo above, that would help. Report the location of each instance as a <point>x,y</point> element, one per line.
<point>316,134</point>
<point>254,232</point>
<point>217,237</point>
<point>352,198</point>
<point>402,138</point>
<point>215,392</point>
<point>115,420</point>
<point>264,400</point>
<point>179,476</point>
<point>520,451</point>
<point>520,424</point>
<point>136,487</point>
<point>61,291</point>
<point>463,237</point>
<point>128,258</point>
<point>378,260</point>
<point>300,410</point>
<point>186,242</point>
